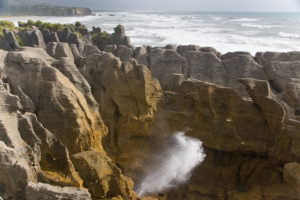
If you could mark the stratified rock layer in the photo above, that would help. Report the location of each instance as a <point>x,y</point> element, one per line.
<point>74,116</point>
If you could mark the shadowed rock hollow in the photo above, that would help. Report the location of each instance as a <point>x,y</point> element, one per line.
<point>77,122</point>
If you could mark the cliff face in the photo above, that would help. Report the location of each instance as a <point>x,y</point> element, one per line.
<point>80,123</point>
<point>27,7</point>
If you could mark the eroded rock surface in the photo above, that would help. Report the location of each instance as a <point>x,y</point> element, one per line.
<point>88,121</point>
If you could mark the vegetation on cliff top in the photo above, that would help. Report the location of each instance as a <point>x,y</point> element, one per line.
<point>5,24</point>
<point>48,25</point>
<point>26,7</point>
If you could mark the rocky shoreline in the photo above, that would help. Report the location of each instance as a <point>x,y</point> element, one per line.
<point>25,7</point>
<point>82,111</point>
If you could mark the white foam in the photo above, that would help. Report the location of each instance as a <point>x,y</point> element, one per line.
<point>245,20</point>
<point>260,26</point>
<point>174,167</point>
<point>228,32</point>
<point>289,35</point>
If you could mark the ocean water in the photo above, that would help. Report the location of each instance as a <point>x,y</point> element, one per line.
<point>227,32</point>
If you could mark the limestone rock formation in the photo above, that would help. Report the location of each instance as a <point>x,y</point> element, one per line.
<point>48,113</point>
<point>83,121</point>
<point>101,39</point>
<point>32,37</point>
<point>128,97</point>
<point>102,177</point>
<point>9,42</point>
<point>41,191</point>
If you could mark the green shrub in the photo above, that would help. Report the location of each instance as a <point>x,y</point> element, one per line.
<point>53,27</point>
<point>78,24</point>
<point>1,34</point>
<point>104,35</point>
<point>30,22</point>
<point>38,23</point>
<point>22,24</point>
<point>57,27</point>
<point>79,34</point>
<point>7,24</point>
<point>120,26</point>
<point>19,40</point>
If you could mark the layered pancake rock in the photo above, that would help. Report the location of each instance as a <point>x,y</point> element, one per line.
<point>77,122</point>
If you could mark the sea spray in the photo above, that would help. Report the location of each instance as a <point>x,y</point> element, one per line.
<point>179,157</point>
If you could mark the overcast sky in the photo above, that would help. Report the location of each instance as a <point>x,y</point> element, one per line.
<point>184,5</point>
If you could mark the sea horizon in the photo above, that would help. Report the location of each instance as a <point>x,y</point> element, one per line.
<point>223,30</point>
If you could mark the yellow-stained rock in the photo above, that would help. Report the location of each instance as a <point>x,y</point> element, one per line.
<point>102,177</point>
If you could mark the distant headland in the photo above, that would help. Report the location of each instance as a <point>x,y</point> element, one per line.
<point>25,7</point>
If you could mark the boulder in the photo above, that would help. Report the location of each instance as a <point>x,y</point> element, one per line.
<point>57,100</point>
<point>32,37</point>
<point>59,49</point>
<point>271,108</point>
<point>124,53</point>
<point>42,191</point>
<point>9,42</point>
<point>291,175</point>
<point>163,64</point>
<point>241,65</point>
<point>141,55</point>
<point>90,50</point>
<point>102,177</point>
<point>205,66</point>
<point>185,48</point>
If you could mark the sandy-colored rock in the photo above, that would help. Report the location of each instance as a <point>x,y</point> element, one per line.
<point>241,65</point>
<point>272,110</point>
<point>15,166</point>
<point>218,116</point>
<point>57,100</point>
<point>32,37</point>
<point>9,42</point>
<point>102,177</point>
<point>89,50</point>
<point>205,66</point>
<point>291,175</point>
<point>128,98</point>
<point>164,63</point>
<point>59,49</point>
<point>141,56</point>
<point>42,191</point>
